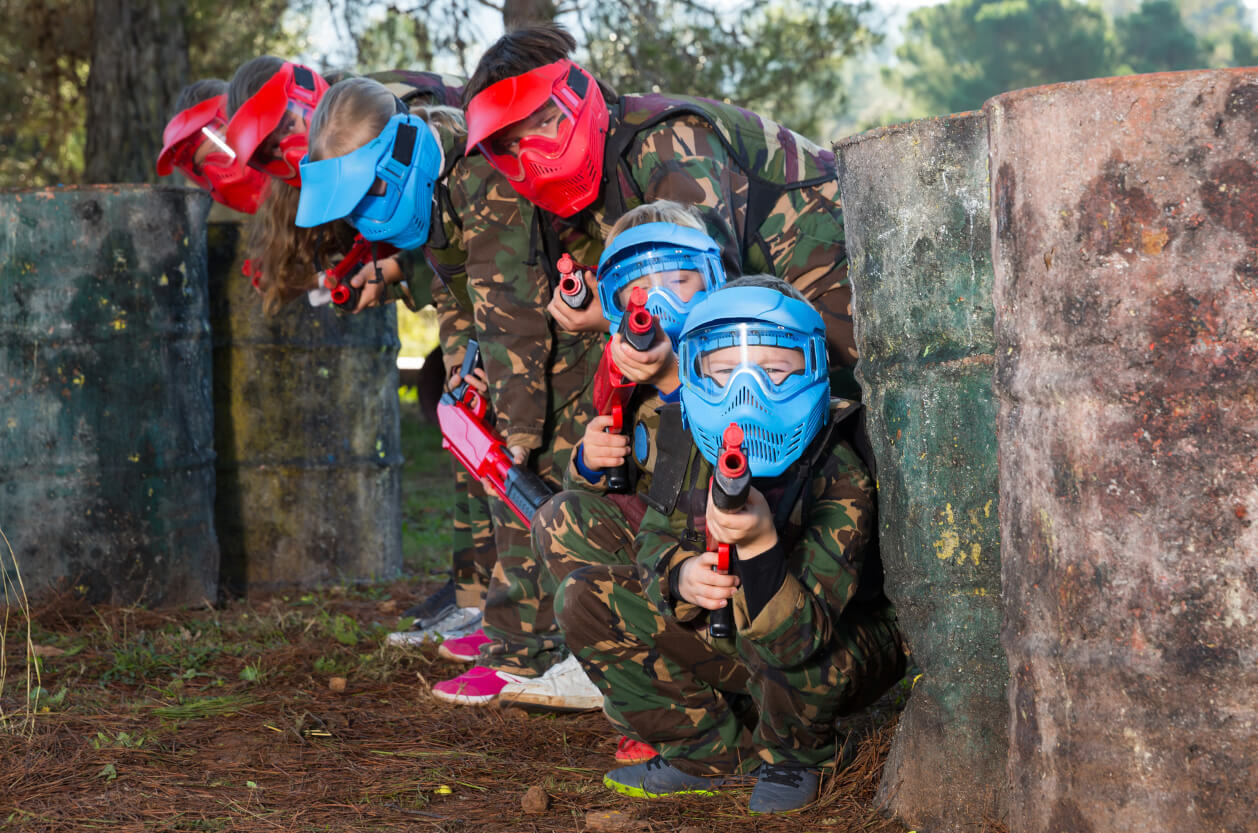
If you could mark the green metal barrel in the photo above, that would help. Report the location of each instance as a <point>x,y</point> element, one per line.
<point>915,209</point>
<point>106,452</point>
<point>307,428</point>
<point>1125,213</point>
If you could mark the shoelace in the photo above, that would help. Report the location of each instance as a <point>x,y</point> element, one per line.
<point>787,776</point>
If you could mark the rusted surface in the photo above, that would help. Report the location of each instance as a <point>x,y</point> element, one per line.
<point>916,216</point>
<point>106,440</point>
<point>1126,301</point>
<point>306,425</point>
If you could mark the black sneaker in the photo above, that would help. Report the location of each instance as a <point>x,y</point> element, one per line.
<point>783,789</point>
<point>434,608</point>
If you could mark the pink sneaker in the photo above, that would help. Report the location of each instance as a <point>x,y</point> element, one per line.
<point>474,687</point>
<point>464,648</point>
<point>633,751</point>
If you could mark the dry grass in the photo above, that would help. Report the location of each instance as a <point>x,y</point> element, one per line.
<point>174,720</point>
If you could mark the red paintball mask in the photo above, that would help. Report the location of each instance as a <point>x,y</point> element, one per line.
<point>545,131</point>
<point>193,142</point>
<point>268,131</point>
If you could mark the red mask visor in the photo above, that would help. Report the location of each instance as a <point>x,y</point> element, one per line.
<point>269,129</point>
<point>545,131</point>
<point>193,142</point>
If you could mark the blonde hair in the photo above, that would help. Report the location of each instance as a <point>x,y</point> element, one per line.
<point>287,256</point>
<point>354,111</point>
<point>351,113</point>
<point>660,211</point>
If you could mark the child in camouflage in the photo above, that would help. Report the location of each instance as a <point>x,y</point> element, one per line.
<point>401,178</point>
<point>814,638</point>
<point>662,249</point>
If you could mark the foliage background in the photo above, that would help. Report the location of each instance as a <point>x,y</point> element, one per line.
<point>827,68</point>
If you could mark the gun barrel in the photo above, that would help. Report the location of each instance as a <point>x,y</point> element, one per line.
<point>637,327</point>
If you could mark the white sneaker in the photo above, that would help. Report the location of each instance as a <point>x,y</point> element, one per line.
<point>563,688</point>
<point>463,621</point>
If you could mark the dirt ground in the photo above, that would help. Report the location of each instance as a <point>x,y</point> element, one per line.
<point>230,719</point>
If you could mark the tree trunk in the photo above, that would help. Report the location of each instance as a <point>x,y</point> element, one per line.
<point>139,64</point>
<point>518,13</point>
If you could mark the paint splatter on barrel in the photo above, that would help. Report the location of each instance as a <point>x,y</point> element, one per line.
<point>916,214</point>
<point>307,430</point>
<point>1126,258</point>
<point>106,426</point>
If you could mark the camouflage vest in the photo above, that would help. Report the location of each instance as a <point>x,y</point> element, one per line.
<point>415,87</point>
<point>773,158</point>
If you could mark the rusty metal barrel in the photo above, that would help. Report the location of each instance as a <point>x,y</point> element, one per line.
<point>915,204</point>
<point>106,423</point>
<point>1126,257</point>
<point>307,428</point>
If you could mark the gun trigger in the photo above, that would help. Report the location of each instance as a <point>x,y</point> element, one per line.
<point>618,420</point>
<point>722,558</point>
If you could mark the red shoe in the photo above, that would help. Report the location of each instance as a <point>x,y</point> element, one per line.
<point>474,687</point>
<point>633,751</point>
<point>464,648</point>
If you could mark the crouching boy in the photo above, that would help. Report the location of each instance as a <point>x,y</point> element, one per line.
<point>812,633</point>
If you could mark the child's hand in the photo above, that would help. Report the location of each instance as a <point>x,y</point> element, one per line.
<point>750,528</point>
<point>373,292</point>
<point>655,366</point>
<point>588,320</point>
<point>477,381</point>
<point>599,450</point>
<point>700,585</point>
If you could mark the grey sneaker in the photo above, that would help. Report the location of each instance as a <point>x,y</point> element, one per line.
<point>563,688</point>
<point>461,622</point>
<point>657,778</point>
<point>432,609</point>
<point>783,789</point>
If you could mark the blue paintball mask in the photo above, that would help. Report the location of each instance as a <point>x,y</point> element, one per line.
<point>678,266</point>
<point>751,355</point>
<point>383,189</point>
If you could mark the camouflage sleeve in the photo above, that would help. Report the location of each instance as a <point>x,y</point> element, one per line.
<point>509,300</point>
<point>822,568</point>
<point>448,270</point>
<point>662,547</point>
<point>683,160</point>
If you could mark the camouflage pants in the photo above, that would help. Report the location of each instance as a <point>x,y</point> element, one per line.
<point>663,680</point>
<point>474,550</point>
<point>519,606</point>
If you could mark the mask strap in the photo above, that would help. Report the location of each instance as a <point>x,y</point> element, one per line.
<point>379,277</point>
<point>321,261</point>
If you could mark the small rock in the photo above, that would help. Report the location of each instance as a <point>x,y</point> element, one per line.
<point>388,606</point>
<point>613,821</point>
<point>46,651</point>
<point>515,713</point>
<point>337,684</point>
<point>535,800</point>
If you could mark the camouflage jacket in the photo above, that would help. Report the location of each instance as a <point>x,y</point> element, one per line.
<point>827,534</point>
<point>534,371</point>
<point>768,196</point>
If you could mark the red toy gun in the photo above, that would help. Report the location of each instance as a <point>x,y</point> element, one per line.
<point>462,414</point>
<point>344,294</point>
<point>731,483</point>
<point>612,391</point>
<point>637,325</point>
<point>572,286</point>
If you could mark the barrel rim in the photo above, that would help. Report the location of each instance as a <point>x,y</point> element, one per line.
<point>904,127</point>
<point>1170,80</point>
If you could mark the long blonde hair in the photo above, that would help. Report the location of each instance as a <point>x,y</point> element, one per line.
<point>350,114</point>
<point>287,256</point>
